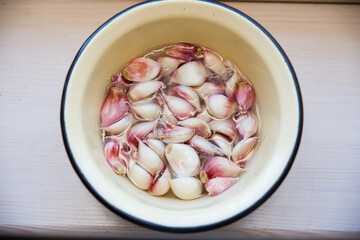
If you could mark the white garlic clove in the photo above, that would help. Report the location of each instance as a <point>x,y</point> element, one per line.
<point>183,160</point>
<point>242,150</point>
<point>219,106</point>
<point>139,177</point>
<point>200,126</point>
<point>179,107</point>
<point>184,51</point>
<point>247,124</point>
<point>223,143</point>
<point>168,65</point>
<point>149,160</point>
<point>225,127</point>
<point>119,126</point>
<point>210,88</point>
<point>204,115</point>
<point>245,96</point>
<point>219,167</point>
<point>218,185</point>
<point>168,117</point>
<point>190,74</point>
<point>186,188</point>
<point>188,94</point>
<point>231,84</point>
<point>141,70</point>
<point>147,110</point>
<point>115,107</point>
<point>113,156</point>
<point>214,62</point>
<point>175,134</point>
<point>140,131</point>
<point>157,146</point>
<point>161,184</point>
<point>144,89</point>
<point>204,146</point>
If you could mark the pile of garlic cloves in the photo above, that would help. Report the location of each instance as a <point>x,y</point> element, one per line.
<point>180,118</point>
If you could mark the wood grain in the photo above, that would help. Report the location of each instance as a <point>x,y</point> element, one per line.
<point>42,195</point>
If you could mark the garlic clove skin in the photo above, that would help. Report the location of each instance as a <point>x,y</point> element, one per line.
<point>219,167</point>
<point>225,127</point>
<point>115,107</point>
<point>219,106</point>
<point>223,143</point>
<point>200,126</point>
<point>204,115</point>
<point>179,107</point>
<point>188,94</point>
<point>204,146</point>
<point>142,90</point>
<point>168,65</point>
<point>141,70</point>
<point>186,188</point>
<point>245,96</point>
<point>157,146</point>
<point>149,159</point>
<point>119,126</point>
<point>247,124</point>
<point>190,74</point>
<point>184,51</point>
<point>231,84</point>
<point>214,62</point>
<point>175,134</point>
<point>218,185</point>
<point>209,88</point>
<point>140,131</point>
<point>161,184</point>
<point>139,177</point>
<point>149,110</point>
<point>183,160</point>
<point>168,117</point>
<point>242,150</point>
<point>121,82</point>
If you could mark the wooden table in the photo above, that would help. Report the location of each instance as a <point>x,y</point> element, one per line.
<point>40,194</point>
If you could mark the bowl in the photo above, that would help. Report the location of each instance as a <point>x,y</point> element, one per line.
<point>149,25</point>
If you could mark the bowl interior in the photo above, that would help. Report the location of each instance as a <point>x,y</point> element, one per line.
<point>152,25</point>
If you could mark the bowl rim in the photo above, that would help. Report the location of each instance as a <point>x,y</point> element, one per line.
<point>159,227</point>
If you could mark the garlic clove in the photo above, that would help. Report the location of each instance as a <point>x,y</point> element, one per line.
<point>161,184</point>
<point>219,167</point>
<point>247,124</point>
<point>214,62</point>
<point>149,159</point>
<point>180,108</point>
<point>183,51</point>
<point>121,82</point>
<point>141,70</point>
<point>188,94</point>
<point>139,177</point>
<point>190,74</point>
<point>219,106</point>
<point>113,156</point>
<point>168,65</point>
<point>231,84</point>
<point>140,131</point>
<point>223,143</point>
<point>245,96</point>
<point>157,146</point>
<point>144,89</point>
<point>168,117</point>
<point>204,146</point>
<point>147,110</point>
<point>210,88</point>
<point>200,126</point>
<point>183,160</point>
<point>115,107</point>
<point>225,127</point>
<point>186,188</point>
<point>242,150</point>
<point>175,134</point>
<point>119,126</point>
<point>117,165</point>
<point>218,185</point>
<point>204,115</point>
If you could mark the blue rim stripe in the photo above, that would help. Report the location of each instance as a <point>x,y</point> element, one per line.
<point>181,229</point>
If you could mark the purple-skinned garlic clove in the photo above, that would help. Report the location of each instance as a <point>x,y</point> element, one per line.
<point>175,134</point>
<point>225,127</point>
<point>149,159</point>
<point>247,124</point>
<point>209,88</point>
<point>161,183</point>
<point>168,65</point>
<point>223,143</point>
<point>186,188</point>
<point>188,94</point>
<point>219,106</point>
<point>243,150</point>
<point>120,126</point>
<point>190,74</point>
<point>219,167</point>
<point>231,84</point>
<point>112,152</point>
<point>179,107</point>
<point>115,107</point>
<point>184,51</point>
<point>140,131</point>
<point>218,185</point>
<point>183,160</point>
<point>144,89</point>
<point>200,126</point>
<point>215,63</point>
<point>141,70</point>
<point>204,146</point>
<point>139,177</point>
<point>157,146</point>
<point>245,96</point>
<point>148,110</point>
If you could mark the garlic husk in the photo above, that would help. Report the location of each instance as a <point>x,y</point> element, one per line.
<point>231,84</point>
<point>204,115</point>
<point>190,74</point>
<point>175,134</point>
<point>218,185</point>
<point>247,124</point>
<point>141,70</point>
<point>115,107</point>
<point>219,106</point>
<point>139,177</point>
<point>119,126</point>
<point>188,94</point>
<point>148,110</point>
<point>157,146</point>
<point>225,127</point>
<point>204,146</point>
<point>219,167</point>
<point>214,62</point>
<point>140,131</point>
<point>245,96</point>
<point>200,126</point>
<point>168,116</point>
<point>168,65</point>
<point>183,160</point>
<point>149,159</point>
<point>161,184</point>
<point>223,143</point>
<point>186,188</point>
<point>209,88</point>
<point>184,51</point>
<point>243,149</point>
<point>144,89</point>
<point>112,152</point>
<point>121,82</point>
<point>179,107</point>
